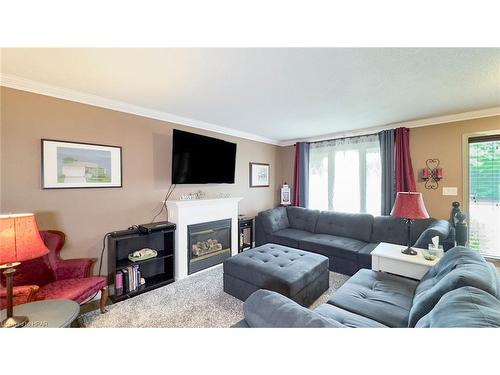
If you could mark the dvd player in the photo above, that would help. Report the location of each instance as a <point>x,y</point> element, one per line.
<point>125,232</point>
<point>156,227</point>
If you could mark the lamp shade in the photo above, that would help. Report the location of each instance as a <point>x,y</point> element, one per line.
<point>409,205</point>
<point>20,239</point>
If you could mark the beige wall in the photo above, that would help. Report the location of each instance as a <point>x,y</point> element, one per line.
<point>444,142</point>
<point>85,215</point>
<point>1,149</point>
<point>286,155</point>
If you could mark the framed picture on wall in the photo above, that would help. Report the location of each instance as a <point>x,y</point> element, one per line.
<point>73,165</point>
<point>259,175</point>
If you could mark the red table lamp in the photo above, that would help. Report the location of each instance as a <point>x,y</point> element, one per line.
<point>19,241</point>
<point>409,206</point>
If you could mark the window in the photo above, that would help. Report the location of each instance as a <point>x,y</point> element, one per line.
<point>345,175</point>
<point>484,194</point>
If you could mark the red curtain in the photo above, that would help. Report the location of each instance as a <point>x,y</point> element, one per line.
<point>405,180</point>
<point>295,186</point>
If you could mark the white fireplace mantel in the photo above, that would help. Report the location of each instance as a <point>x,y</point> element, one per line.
<point>187,212</point>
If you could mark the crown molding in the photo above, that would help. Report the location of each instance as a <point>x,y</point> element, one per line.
<point>19,83</point>
<point>471,115</point>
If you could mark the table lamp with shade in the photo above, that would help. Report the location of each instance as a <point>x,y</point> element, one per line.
<point>409,206</point>
<point>19,241</point>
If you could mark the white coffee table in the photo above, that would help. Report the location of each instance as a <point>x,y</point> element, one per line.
<point>387,257</point>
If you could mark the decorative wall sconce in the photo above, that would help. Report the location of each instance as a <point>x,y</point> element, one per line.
<point>432,174</point>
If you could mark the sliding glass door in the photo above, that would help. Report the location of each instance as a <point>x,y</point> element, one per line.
<point>345,175</point>
<point>484,194</point>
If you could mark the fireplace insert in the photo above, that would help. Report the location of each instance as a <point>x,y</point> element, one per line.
<point>208,244</point>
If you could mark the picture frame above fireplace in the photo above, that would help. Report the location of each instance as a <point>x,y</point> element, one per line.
<point>259,175</point>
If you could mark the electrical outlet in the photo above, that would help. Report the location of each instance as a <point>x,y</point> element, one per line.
<point>450,191</point>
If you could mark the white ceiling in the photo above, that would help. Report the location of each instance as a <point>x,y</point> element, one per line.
<point>275,94</point>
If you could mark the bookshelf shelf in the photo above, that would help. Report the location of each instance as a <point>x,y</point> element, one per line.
<point>157,271</point>
<point>151,283</point>
<point>126,262</point>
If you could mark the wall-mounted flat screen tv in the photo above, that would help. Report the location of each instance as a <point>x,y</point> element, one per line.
<point>197,159</point>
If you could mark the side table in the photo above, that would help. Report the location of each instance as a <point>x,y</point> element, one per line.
<point>245,224</point>
<point>51,313</point>
<point>387,257</point>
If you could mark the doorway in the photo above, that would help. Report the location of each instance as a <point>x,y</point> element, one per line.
<point>482,187</point>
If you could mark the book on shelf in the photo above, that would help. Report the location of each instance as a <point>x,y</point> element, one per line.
<point>129,278</point>
<point>132,278</point>
<point>136,276</point>
<point>126,282</point>
<point>119,283</point>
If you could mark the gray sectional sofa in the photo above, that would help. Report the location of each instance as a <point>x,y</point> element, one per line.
<point>461,290</point>
<point>346,239</point>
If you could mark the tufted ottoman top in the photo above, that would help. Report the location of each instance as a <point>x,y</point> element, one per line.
<point>279,268</point>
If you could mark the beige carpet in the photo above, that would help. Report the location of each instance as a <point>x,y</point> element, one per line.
<point>196,302</point>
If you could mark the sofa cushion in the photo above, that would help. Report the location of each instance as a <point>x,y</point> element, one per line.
<point>466,307</point>
<point>379,296</point>
<point>36,271</point>
<point>346,318</point>
<point>288,237</point>
<point>274,219</point>
<point>356,226</point>
<point>341,247</point>
<point>302,218</point>
<point>458,267</point>
<point>77,290</point>
<point>277,267</point>
<point>439,228</point>
<point>394,230</point>
<point>364,255</point>
<point>267,309</point>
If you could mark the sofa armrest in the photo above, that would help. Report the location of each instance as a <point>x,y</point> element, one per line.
<point>441,228</point>
<point>273,220</point>
<point>471,307</point>
<point>20,294</point>
<point>260,233</point>
<point>73,268</point>
<point>267,309</point>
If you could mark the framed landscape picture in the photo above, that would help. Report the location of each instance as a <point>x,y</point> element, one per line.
<point>259,175</point>
<point>71,165</point>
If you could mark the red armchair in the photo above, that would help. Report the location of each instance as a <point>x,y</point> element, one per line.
<point>50,277</point>
<point>21,294</point>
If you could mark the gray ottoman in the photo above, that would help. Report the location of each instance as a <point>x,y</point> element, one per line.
<point>297,274</point>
